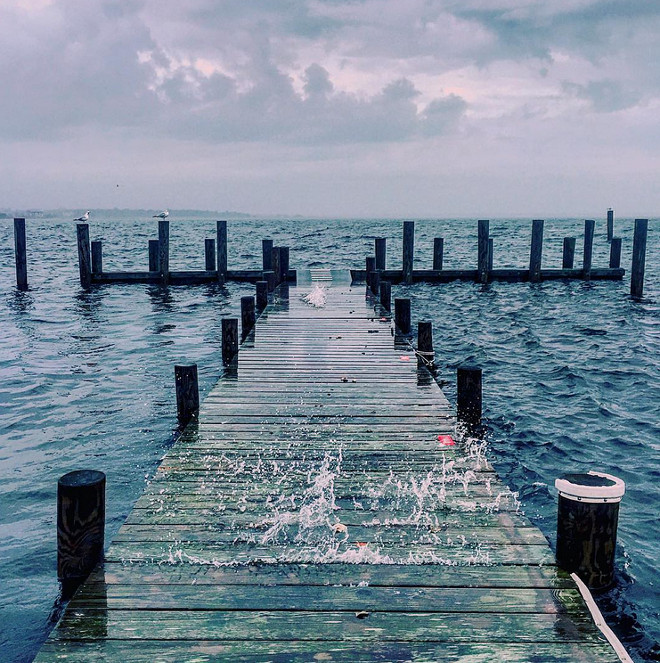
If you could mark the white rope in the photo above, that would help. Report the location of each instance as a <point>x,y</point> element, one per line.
<point>600,622</point>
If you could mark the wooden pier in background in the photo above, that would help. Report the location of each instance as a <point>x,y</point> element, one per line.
<point>312,512</point>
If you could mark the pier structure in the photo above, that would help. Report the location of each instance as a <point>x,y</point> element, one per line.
<point>320,506</point>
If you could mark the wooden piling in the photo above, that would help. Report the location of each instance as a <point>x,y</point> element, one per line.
<point>97,257</point>
<point>248,315</point>
<point>438,251</point>
<point>284,264</point>
<point>375,282</point>
<point>269,276</point>
<point>277,265</point>
<point>568,258</point>
<point>536,251</point>
<point>262,295</point>
<point>610,224</point>
<point>20,246</point>
<point>482,250</point>
<point>153,255</point>
<point>589,226</point>
<point>84,255</point>
<point>408,251</point>
<point>638,258</point>
<point>615,253</point>
<point>221,247</point>
<point>267,254</point>
<point>402,316</point>
<point>164,251</point>
<point>209,255</point>
<point>490,255</point>
<point>229,339</point>
<point>80,525</point>
<point>370,266</point>
<point>386,295</point>
<point>187,392</point>
<point>468,396</point>
<point>425,354</point>
<point>380,251</point>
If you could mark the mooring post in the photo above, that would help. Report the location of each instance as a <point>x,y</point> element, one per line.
<point>248,315</point>
<point>209,255</point>
<point>277,265</point>
<point>370,266</point>
<point>386,295</point>
<point>438,251</point>
<point>536,251</point>
<point>468,396</point>
<point>97,257</point>
<point>153,255</point>
<point>615,253</point>
<point>269,276</point>
<point>402,316</point>
<point>408,251</point>
<point>568,258</point>
<point>84,255</point>
<point>267,254</point>
<point>187,392</point>
<point>262,295</point>
<point>20,246</point>
<point>375,282</point>
<point>638,258</point>
<point>589,226</point>
<point>80,526</point>
<point>610,224</point>
<point>490,256</point>
<point>221,248</point>
<point>587,519</point>
<point>482,250</point>
<point>229,339</point>
<point>284,264</point>
<point>164,251</point>
<point>380,251</point>
<point>425,354</point>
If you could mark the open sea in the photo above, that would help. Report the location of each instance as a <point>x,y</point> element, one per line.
<point>571,379</point>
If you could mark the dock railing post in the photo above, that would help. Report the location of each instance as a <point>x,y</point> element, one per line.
<point>375,282</point>
<point>284,264</point>
<point>386,295</point>
<point>425,354</point>
<point>380,251</point>
<point>262,295</point>
<point>408,251</point>
<point>482,250</point>
<point>468,396</point>
<point>568,257</point>
<point>153,255</point>
<point>164,251</point>
<point>490,256</point>
<point>20,247</point>
<point>370,266</point>
<point>638,258</point>
<point>267,254</point>
<point>402,316</point>
<point>187,392</point>
<point>248,315</point>
<point>269,276</point>
<point>80,526</point>
<point>97,257</point>
<point>536,251</point>
<point>277,265</point>
<point>209,255</point>
<point>587,520</point>
<point>438,251</point>
<point>615,253</point>
<point>610,225</point>
<point>221,248</point>
<point>589,226</point>
<point>84,255</point>
<point>229,339</point>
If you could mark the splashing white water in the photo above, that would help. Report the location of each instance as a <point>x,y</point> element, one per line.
<point>317,297</point>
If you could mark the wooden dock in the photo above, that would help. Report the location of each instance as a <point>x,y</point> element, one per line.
<point>311,514</point>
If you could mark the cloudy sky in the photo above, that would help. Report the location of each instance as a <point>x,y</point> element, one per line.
<point>332,107</point>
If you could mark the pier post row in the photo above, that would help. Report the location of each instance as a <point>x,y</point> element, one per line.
<point>248,315</point>
<point>375,282</point>
<point>154,253</point>
<point>408,251</point>
<point>164,251</point>
<point>84,255</point>
<point>380,251</point>
<point>262,295</point>
<point>221,248</point>
<point>269,277</point>
<point>402,316</point>
<point>638,258</point>
<point>386,295</point>
<point>97,257</point>
<point>229,339</point>
<point>536,251</point>
<point>267,254</point>
<point>615,253</point>
<point>438,251</point>
<point>589,226</point>
<point>568,259</point>
<point>187,392</point>
<point>468,396</point>
<point>482,250</point>
<point>209,254</point>
<point>20,248</point>
<point>370,266</point>
<point>277,266</point>
<point>610,225</point>
<point>425,354</point>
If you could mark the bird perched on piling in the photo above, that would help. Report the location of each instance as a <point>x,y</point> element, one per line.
<point>163,215</point>
<point>84,217</point>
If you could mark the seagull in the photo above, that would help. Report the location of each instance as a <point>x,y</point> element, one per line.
<point>84,217</point>
<point>163,215</point>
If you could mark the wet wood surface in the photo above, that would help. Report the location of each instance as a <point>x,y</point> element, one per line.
<point>313,513</point>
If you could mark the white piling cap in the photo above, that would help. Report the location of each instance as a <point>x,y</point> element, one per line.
<point>596,487</point>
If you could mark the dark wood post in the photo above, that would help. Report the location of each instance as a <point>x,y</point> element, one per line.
<point>84,255</point>
<point>267,254</point>
<point>490,255</point>
<point>284,264</point>
<point>438,251</point>
<point>210,262</point>
<point>568,259</point>
<point>153,255</point>
<point>277,265</point>
<point>638,258</point>
<point>375,282</point>
<point>610,224</point>
<point>536,251</point>
<point>408,251</point>
<point>262,295</point>
<point>269,277</point>
<point>229,339</point>
<point>615,253</point>
<point>425,354</point>
<point>380,251</point>
<point>468,396</point>
<point>589,226</point>
<point>80,525</point>
<point>97,257</point>
<point>402,316</point>
<point>164,251</point>
<point>221,248</point>
<point>187,392</point>
<point>482,250</point>
<point>248,315</point>
<point>370,266</point>
<point>587,520</point>
<point>386,295</point>
<point>20,246</point>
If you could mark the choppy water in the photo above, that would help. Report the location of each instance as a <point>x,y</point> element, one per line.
<point>571,375</point>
